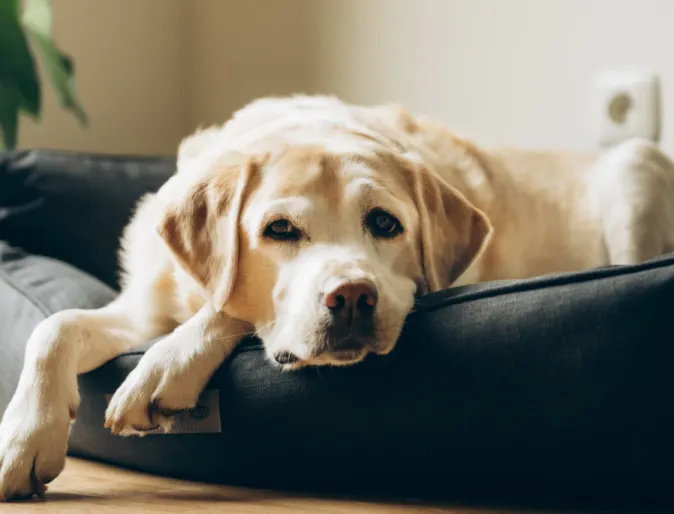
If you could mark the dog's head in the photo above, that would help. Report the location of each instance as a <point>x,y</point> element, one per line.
<point>321,251</point>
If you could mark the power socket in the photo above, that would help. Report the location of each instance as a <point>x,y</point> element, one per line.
<point>626,104</point>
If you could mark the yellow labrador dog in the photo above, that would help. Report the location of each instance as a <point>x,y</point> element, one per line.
<point>313,224</point>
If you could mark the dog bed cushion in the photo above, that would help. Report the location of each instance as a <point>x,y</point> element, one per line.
<point>556,388</point>
<point>74,206</point>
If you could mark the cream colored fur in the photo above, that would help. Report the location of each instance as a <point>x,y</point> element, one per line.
<point>199,269</point>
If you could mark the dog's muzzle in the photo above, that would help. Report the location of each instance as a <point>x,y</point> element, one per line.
<point>349,321</point>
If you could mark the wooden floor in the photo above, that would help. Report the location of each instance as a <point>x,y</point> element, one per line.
<point>90,487</point>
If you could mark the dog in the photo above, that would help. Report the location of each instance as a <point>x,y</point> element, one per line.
<point>314,224</point>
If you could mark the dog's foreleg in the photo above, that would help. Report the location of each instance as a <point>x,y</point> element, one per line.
<point>36,424</point>
<point>172,374</point>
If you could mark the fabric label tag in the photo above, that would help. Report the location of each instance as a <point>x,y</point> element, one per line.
<point>204,418</point>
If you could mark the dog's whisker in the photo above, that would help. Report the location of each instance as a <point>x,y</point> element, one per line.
<point>233,336</point>
<point>253,333</point>
<point>263,327</point>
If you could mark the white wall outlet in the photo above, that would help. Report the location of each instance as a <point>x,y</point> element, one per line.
<point>626,104</point>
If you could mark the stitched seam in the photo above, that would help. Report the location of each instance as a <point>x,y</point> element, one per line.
<point>542,283</point>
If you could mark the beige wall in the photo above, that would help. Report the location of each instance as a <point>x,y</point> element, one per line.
<point>246,49</point>
<point>502,71</point>
<point>129,57</point>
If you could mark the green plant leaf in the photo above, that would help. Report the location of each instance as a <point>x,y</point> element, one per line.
<point>19,84</point>
<point>37,20</point>
<point>18,70</point>
<point>9,117</point>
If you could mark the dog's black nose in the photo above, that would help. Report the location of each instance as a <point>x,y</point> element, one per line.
<point>352,300</point>
<point>286,357</point>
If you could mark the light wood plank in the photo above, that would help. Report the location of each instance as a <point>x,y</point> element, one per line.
<point>92,487</point>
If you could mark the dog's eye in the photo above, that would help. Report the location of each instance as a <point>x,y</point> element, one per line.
<point>282,230</point>
<point>383,224</point>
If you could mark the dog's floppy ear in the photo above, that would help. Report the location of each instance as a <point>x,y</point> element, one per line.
<point>200,225</point>
<point>453,231</point>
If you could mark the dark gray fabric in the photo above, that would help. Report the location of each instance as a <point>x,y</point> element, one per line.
<point>554,389</point>
<point>73,206</point>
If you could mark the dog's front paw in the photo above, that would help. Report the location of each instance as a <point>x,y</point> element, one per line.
<point>151,396</point>
<point>33,445</point>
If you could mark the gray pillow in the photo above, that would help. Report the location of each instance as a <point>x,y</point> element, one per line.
<point>32,288</point>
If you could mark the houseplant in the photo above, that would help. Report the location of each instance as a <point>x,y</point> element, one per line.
<point>26,32</point>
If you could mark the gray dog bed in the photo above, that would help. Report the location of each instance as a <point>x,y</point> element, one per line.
<point>558,388</point>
